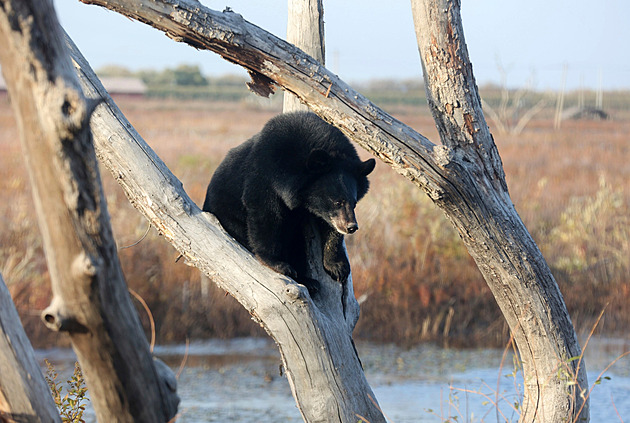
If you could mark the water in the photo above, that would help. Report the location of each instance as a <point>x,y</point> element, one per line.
<point>239,381</point>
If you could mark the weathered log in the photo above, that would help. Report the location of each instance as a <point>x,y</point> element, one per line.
<point>90,299</point>
<point>276,62</point>
<point>24,394</point>
<point>467,183</point>
<point>314,339</point>
<point>480,208</point>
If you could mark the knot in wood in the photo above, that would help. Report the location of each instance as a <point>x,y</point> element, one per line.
<point>169,381</point>
<point>294,292</point>
<point>84,267</point>
<point>166,374</point>
<point>57,318</point>
<point>442,155</point>
<point>70,110</point>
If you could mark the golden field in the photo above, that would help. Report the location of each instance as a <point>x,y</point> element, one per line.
<point>570,186</point>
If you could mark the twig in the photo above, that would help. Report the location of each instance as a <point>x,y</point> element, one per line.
<point>183,363</point>
<point>138,241</point>
<point>149,314</point>
<point>615,407</point>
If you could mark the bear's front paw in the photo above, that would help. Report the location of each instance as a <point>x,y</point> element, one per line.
<point>338,270</point>
<point>280,267</point>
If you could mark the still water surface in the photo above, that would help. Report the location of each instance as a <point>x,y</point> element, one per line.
<point>239,381</point>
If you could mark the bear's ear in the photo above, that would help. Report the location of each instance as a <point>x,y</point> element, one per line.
<point>318,161</point>
<point>366,167</point>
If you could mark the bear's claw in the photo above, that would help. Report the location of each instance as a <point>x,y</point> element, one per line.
<point>339,270</point>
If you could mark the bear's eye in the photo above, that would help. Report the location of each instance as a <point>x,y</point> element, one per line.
<point>338,203</point>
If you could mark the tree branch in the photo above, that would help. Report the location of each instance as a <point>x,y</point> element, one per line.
<point>463,176</point>
<point>314,338</point>
<point>24,394</point>
<point>278,62</point>
<point>90,298</point>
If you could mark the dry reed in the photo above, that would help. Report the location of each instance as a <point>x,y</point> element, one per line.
<point>413,273</point>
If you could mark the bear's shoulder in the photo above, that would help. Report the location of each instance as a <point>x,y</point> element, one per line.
<point>289,139</point>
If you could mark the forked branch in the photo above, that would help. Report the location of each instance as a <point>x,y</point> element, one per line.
<point>463,175</point>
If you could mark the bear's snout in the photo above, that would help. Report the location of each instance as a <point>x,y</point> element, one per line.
<point>344,220</point>
<point>346,228</point>
<point>352,227</point>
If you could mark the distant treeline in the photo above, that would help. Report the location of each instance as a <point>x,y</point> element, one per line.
<point>188,82</point>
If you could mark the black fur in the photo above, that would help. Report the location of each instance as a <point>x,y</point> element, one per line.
<point>296,168</point>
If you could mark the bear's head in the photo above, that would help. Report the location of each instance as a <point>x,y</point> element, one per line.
<point>336,187</point>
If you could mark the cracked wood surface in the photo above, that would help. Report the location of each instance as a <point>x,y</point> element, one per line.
<point>494,234</point>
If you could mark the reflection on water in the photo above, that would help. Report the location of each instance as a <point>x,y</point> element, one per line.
<point>239,381</point>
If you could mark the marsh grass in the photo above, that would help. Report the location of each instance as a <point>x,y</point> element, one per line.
<point>410,269</point>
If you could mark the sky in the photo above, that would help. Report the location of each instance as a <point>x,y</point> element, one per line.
<point>518,44</point>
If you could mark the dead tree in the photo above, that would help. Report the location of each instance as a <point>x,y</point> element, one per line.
<point>463,175</point>
<point>90,299</point>
<point>24,394</point>
<point>314,339</point>
<point>474,195</point>
<point>305,30</point>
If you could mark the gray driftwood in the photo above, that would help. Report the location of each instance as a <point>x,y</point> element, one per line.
<point>90,299</point>
<point>314,339</point>
<point>463,175</point>
<point>305,30</point>
<point>24,394</point>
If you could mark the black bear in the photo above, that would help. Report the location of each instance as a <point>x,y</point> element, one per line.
<point>266,189</point>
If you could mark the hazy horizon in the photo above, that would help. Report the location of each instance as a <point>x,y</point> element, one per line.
<point>368,40</point>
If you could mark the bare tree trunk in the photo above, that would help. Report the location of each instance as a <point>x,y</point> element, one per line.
<point>478,204</point>
<point>305,30</point>
<point>90,299</point>
<point>464,176</point>
<point>24,394</point>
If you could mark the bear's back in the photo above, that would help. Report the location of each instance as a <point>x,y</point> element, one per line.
<point>288,139</point>
<point>224,193</point>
